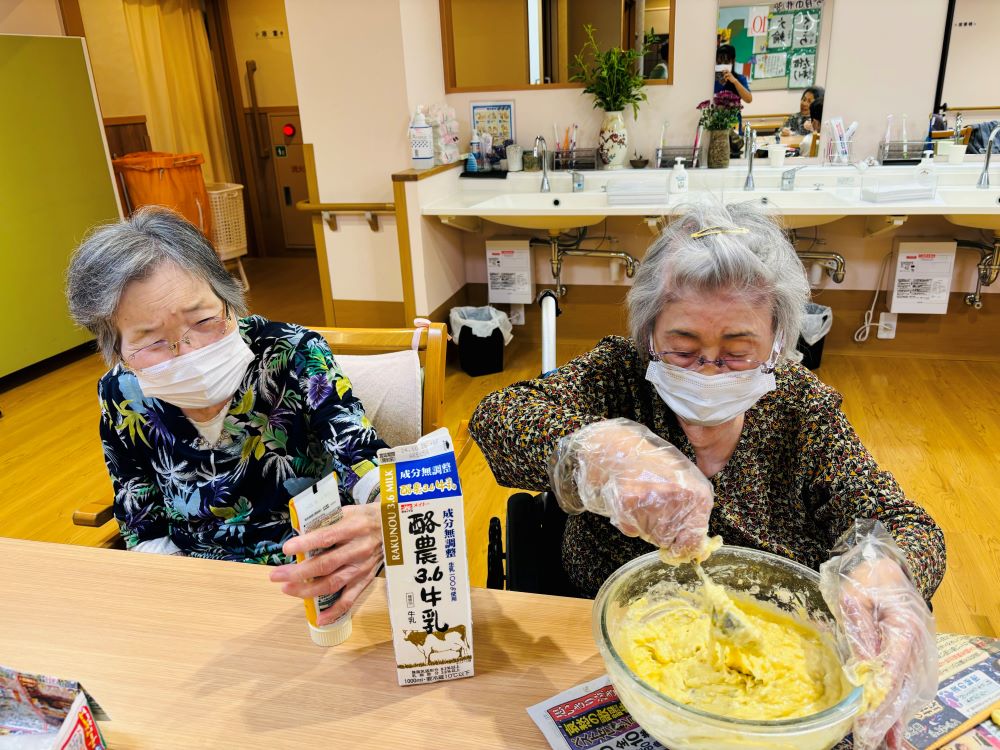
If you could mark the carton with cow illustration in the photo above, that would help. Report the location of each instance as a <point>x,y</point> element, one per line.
<point>426,569</point>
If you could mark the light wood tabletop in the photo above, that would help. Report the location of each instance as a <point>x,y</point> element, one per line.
<point>193,653</point>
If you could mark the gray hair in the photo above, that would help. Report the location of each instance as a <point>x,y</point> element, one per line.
<point>760,263</point>
<point>114,255</point>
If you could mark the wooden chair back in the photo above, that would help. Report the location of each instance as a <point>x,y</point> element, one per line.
<point>432,349</point>
<point>939,134</point>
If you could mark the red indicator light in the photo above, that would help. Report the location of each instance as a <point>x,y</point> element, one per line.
<point>288,129</point>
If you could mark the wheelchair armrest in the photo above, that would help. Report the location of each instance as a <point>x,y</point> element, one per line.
<point>93,514</point>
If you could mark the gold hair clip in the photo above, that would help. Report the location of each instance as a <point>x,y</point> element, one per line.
<point>719,230</point>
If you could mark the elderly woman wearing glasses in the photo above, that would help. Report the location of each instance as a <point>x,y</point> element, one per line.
<point>706,387</point>
<point>211,421</point>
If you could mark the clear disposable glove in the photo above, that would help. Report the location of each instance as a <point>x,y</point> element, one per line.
<point>888,627</point>
<point>622,470</point>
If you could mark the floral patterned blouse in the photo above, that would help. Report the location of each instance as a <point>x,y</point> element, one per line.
<point>292,420</point>
<point>798,477</point>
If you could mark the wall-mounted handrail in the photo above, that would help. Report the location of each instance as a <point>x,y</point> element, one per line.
<point>263,152</point>
<point>986,108</point>
<point>330,211</point>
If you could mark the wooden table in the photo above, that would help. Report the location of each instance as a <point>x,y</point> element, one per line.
<point>191,653</point>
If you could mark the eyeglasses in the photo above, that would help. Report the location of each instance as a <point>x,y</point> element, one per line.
<point>202,333</point>
<point>692,361</point>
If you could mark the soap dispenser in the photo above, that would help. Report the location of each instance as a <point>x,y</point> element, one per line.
<point>678,177</point>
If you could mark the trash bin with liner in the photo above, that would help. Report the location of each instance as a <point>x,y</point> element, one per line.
<point>815,325</point>
<point>481,333</point>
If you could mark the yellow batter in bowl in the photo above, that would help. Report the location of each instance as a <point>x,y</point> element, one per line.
<point>786,670</point>
<point>760,667</point>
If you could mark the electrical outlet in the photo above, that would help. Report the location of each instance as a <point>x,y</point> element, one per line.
<point>887,325</point>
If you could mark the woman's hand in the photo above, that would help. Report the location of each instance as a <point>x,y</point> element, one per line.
<point>644,485</point>
<point>891,635</point>
<point>349,567</point>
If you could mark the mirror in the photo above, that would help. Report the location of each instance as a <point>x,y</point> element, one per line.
<point>782,50</point>
<point>498,45</point>
<point>970,40</point>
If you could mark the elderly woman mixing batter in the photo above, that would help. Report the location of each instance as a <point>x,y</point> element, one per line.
<point>714,313</point>
<point>211,421</point>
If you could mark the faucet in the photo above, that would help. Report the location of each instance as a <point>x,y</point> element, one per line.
<point>984,178</point>
<point>544,157</point>
<point>749,136</point>
<point>788,177</point>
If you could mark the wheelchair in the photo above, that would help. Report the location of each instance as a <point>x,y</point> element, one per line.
<point>532,561</point>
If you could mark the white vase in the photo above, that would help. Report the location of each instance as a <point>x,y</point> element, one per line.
<point>612,144</point>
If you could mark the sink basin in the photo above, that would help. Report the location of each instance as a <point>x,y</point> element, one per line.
<point>980,209</point>
<point>796,208</point>
<point>515,210</point>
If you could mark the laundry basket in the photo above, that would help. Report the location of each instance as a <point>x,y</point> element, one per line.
<point>229,231</point>
<point>157,178</point>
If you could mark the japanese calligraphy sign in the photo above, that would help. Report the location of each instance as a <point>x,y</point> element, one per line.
<point>427,572</point>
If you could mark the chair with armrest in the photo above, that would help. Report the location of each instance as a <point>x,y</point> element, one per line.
<point>964,135</point>
<point>356,351</point>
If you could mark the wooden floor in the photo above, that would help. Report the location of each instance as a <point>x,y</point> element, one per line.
<point>934,424</point>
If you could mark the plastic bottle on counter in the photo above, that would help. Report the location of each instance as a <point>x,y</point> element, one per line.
<point>476,149</point>
<point>421,142</point>
<point>678,177</point>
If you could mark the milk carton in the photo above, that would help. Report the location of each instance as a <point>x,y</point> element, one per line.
<point>426,569</point>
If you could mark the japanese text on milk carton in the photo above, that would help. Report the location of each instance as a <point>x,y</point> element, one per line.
<point>426,570</point>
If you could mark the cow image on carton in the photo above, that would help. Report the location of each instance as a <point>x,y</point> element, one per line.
<point>426,570</point>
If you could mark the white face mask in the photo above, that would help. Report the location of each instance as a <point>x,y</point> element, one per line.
<point>199,379</point>
<point>710,400</point>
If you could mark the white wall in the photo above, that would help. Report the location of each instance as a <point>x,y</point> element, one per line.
<point>361,70</point>
<point>875,71</point>
<point>972,56</point>
<point>349,71</point>
<point>40,17</point>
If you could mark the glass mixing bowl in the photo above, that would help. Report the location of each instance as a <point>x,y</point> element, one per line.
<point>781,582</point>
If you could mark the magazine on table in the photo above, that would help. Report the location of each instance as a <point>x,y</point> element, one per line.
<point>591,716</point>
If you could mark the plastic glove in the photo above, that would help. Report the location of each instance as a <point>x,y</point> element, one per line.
<point>888,627</point>
<point>622,470</point>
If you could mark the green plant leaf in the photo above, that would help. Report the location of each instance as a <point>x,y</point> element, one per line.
<point>613,77</point>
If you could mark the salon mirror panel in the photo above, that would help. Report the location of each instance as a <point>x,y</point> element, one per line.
<point>496,45</point>
<point>782,50</point>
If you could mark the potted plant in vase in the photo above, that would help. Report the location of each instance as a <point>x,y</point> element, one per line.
<point>612,77</point>
<point>718,115</point>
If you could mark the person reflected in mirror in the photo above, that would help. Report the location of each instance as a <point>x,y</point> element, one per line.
<point>800,123</point>
<point>811,141</point>
<point>660,71</point>
<point>726,79</point>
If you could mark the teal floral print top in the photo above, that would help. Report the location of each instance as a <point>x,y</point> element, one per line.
<point>292,420</point>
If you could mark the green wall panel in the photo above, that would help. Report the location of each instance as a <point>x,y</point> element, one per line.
<point>54,184</point>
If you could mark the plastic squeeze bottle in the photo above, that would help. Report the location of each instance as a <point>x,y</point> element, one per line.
<point>421,142</point>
